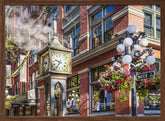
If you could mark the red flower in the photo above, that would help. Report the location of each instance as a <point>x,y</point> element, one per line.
<point>141,68</point>
<point>129,69</point>
<point>138,58</point>
<point>116,68</point>
<point>114,92</point>
<point>128,86</point>
<point>108,66</point>
<point>146,84</point>
<point>150,66</point>
<point>146,68</point>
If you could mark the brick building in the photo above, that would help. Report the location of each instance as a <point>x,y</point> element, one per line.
<point>95,31</point>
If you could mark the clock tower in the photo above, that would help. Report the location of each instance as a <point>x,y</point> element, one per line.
<point>54,67</point>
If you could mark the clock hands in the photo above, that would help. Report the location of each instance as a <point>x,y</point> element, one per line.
<point>59,62</point>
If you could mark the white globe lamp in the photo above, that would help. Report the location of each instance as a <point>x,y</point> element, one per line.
<point>131,29</point>
<point>136,48</point>
<point>127,59</point>
<point>120,48</point>
<point>143,42</point>
<point>150,60</point>
<point>127,42</point>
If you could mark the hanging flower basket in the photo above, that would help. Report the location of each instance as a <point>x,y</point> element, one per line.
<point>144,86</point>
<point>114,79</point>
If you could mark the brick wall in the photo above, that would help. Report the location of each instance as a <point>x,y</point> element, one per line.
<point>60,20</point>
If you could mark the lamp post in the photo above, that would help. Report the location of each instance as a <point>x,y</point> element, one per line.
<point>132,51</point>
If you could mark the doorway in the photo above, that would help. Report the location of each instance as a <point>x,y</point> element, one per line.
<point>58,91</point>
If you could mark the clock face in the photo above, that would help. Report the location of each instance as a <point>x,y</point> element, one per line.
<point>60,62</point>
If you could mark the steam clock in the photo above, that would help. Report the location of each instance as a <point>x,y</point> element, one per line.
<point>55,65</point>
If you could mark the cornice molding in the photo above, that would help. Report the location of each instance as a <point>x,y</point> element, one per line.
<point>127,10</point>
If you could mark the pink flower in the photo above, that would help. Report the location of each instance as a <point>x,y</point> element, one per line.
<point>108,74</point>
<point>118,81</point>
<point>99,81</point>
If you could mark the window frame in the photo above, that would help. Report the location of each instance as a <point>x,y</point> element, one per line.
<point>102,22</point>
<point>69,89</point>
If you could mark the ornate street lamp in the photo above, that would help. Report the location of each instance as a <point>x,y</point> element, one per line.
<point>132,51</point>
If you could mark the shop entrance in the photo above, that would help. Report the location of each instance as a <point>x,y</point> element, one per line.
<point>58,111</point>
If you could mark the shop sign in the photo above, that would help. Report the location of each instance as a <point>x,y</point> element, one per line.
<point>146,75</point>
<point>31,94</point>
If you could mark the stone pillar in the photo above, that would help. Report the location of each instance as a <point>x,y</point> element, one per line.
<point>84,29</point>
<point>84,92</point>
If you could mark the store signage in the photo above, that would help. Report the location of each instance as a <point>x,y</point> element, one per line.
<point>31,94</point>
<point>8,73</point>
<point>146,75</point>
<point>23,70</point>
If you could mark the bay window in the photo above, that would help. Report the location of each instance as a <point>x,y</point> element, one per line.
<point>101,26</point>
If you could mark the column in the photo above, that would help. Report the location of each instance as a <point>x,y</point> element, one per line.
<point>84,29</point>
<point>84,92</point>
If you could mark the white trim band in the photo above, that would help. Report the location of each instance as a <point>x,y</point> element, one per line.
<point>127,10</point>
<point>84,36</point>
<point>83,71</point>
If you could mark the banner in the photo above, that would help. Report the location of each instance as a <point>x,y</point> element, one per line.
<point>23,70</point>
<point>8,73</point>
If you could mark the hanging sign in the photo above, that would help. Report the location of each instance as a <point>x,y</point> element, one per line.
<point>8,73</point>
<point>23,70</point>
<point>146,75</point>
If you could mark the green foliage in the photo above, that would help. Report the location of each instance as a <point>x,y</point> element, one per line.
<point>8,101</point>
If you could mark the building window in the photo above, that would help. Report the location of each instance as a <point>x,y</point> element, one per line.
<point>73,94</point>
<point>158,26</point>
<point>33,57</point>
<point>15,89</point>
<point>52,17</point>
<point>100,100</point>
<point>148,24</point>
<point>73,81</point>
<point>102,26</point>
<point>96,71</point>
<point>67,8</point>
<point>152,20</point>
<point>158,8</point>
<point>75,34</point>
<point>23,87</point>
